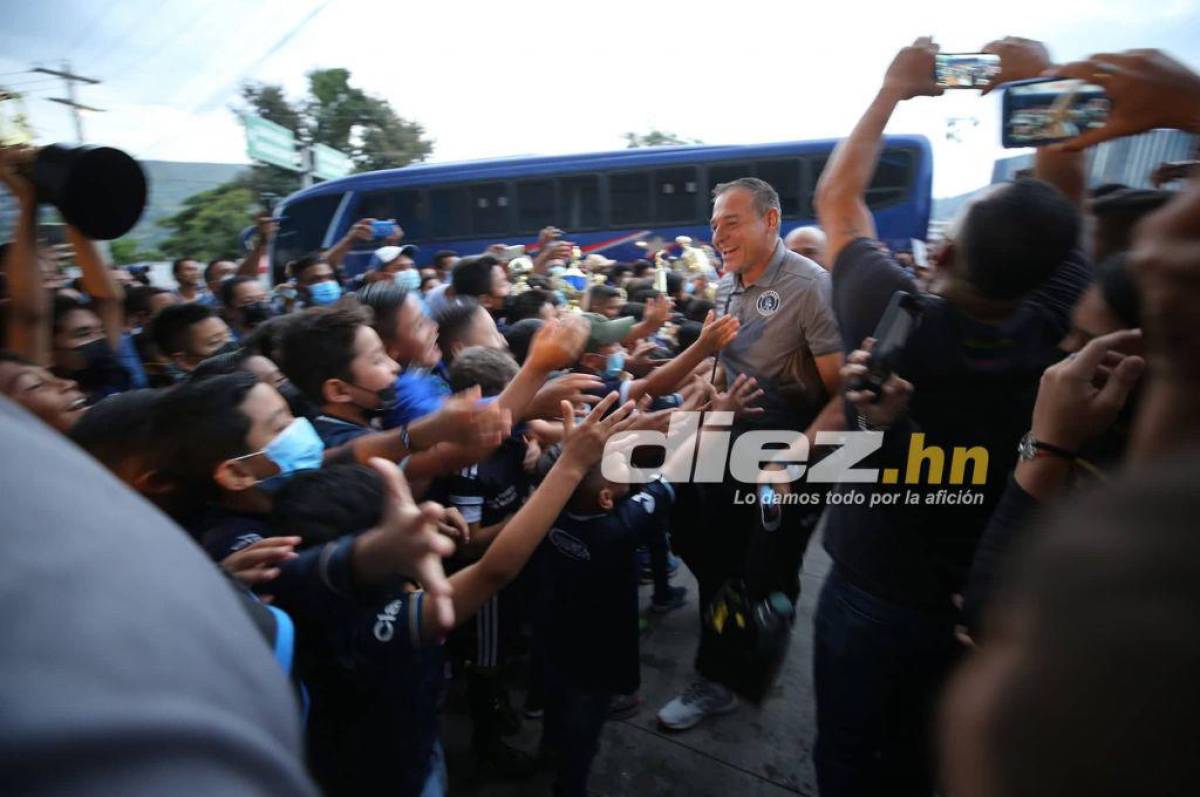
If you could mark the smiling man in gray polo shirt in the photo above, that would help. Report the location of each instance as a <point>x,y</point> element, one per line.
<point>788,339</point>
<point>789,342</point>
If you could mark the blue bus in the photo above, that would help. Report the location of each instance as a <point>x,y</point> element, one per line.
<point>605,202</point>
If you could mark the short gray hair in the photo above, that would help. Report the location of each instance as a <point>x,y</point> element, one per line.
<point>765,197</point>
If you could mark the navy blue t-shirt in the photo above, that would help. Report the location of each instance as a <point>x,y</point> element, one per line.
<point>335,431</point>
<point>375,693</point>
<point>489,491</point>
<point>374,689</point>
<point>974,386</point>
<point>590,584</point>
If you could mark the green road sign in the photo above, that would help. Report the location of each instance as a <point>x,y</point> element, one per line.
<point>271,143</point>
<point>329,163</point>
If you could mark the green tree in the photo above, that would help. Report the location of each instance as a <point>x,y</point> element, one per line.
<point>210,222</point>
<point>128,250</point>
<point>656,138</point>
<point>342,116</point>
<point>333,113</point>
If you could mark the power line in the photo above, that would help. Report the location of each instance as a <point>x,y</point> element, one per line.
<point>23,85</point>
<point>164,43</point>
<point>70,78</point>
<point>225,88</point>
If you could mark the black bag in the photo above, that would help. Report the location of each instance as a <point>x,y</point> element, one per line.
<point>751,617</point>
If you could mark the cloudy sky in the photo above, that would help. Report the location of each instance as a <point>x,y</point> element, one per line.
<point>526,76</point>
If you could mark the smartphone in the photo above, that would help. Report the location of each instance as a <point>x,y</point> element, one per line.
<point>901,317</point>
<point>1043,111</point>
<point>383,229</point>
<point>512,252</point>
<point>965,70</point>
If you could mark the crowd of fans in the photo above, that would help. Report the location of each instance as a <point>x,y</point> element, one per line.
<point>355,489</point>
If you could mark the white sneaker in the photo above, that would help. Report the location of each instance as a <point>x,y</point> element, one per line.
<point>702,699</point>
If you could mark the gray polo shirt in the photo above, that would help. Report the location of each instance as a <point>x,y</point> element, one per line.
<point>786,321</point>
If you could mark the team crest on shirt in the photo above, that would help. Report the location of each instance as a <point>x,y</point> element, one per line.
<point>768,302</point>
<point>569,545</point>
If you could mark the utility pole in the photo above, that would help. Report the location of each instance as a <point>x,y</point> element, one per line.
<point>70,79</point>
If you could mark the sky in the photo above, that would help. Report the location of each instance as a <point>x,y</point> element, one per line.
<point>532,77</point>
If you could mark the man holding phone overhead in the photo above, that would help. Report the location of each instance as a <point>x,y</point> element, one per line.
<point>1001,290</point>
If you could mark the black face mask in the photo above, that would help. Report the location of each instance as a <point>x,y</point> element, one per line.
<point>229,347</point>
<point>389,399</point>
<point>101,368</point>
<point>256,313</point>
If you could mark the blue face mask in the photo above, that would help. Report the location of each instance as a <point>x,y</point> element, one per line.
<point>296,448</point>
<point>614,365</point>
<point>409,279</point>
<point>323,293</point>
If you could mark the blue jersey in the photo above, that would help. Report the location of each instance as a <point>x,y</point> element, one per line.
<point>417,394</point>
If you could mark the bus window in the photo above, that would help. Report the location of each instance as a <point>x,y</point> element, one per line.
<point>535,205</point>
<point>675,195</point>
<point>891,180</point>
<point>579,203</point>
<point>451,212</point>
<point>489,208</point>
<point>629,198</point>
<point>407,207</point>
<point>302,230</point>
<point>889,184</point>
<point>723,173</point>
<point>784,177</point>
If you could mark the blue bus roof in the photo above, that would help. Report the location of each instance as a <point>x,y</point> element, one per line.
<point>420,174</point>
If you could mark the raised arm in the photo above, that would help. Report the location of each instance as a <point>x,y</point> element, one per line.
<point>462,420</point>
<point>555,346</point>
<point>841,196</point>
<point>716,335</point>
<point>1024,59</point>
<point>512,547</point>
<point>361,231</point>
<point>100,283</point>
<point>29,310</point>
<point>262,240</point>
<point>658,310</point>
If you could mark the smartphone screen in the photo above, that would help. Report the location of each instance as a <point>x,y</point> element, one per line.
<point>1045,111</point>
<point>383,229</point>
<point>965,70</point>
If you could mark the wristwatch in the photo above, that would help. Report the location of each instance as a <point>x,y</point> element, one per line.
<point>1030,448</point>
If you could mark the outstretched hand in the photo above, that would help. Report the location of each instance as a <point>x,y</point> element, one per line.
<point>911,72</point>
<point>740,397</point>
<point>411,542</point>
<point>1020,59</point>
<point>717,332</point>
<point>258,562</point>
<point>583,443</point>
<point>466,421</point>
<point>558,344</point>
<point>1148,89</point>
